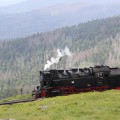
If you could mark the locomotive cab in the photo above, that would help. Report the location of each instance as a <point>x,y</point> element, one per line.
<point>102,74</point>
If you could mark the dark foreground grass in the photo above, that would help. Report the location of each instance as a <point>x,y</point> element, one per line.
<point>85,106</point>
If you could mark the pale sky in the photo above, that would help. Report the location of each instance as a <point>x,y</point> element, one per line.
<point>9,2</point>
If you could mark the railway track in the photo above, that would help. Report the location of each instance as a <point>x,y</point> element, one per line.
<point>17,101</point>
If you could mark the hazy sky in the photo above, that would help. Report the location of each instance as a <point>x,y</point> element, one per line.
<point>8,2</point>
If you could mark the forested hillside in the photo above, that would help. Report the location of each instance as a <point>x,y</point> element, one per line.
<point>91,43</point>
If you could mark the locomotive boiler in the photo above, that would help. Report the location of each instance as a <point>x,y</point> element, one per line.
<point>57,82</point>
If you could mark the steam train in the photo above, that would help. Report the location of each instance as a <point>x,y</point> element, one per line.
<point>75,80</point>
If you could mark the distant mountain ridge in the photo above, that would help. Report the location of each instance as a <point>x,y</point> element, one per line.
<point>30,5</point>
<point>35,16</point>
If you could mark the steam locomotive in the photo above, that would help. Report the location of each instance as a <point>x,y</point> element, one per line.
<point>75,80</point>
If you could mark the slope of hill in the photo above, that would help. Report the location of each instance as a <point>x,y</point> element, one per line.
<point>84,106</point>
<point>95,42</point>
<point>40,16</point>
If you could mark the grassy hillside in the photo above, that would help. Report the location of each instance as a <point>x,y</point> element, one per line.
<point>85,106</point>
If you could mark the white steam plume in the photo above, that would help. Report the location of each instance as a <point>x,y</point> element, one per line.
<point>60,54</point>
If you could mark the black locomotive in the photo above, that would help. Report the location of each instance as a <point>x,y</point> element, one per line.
<point>75,80</point>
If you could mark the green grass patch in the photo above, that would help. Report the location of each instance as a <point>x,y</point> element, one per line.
<point>84,106</point>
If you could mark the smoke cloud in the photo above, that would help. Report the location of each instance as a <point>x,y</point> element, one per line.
<point>60,54</point>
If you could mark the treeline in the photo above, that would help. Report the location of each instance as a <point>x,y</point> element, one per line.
<point>95,42</point>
